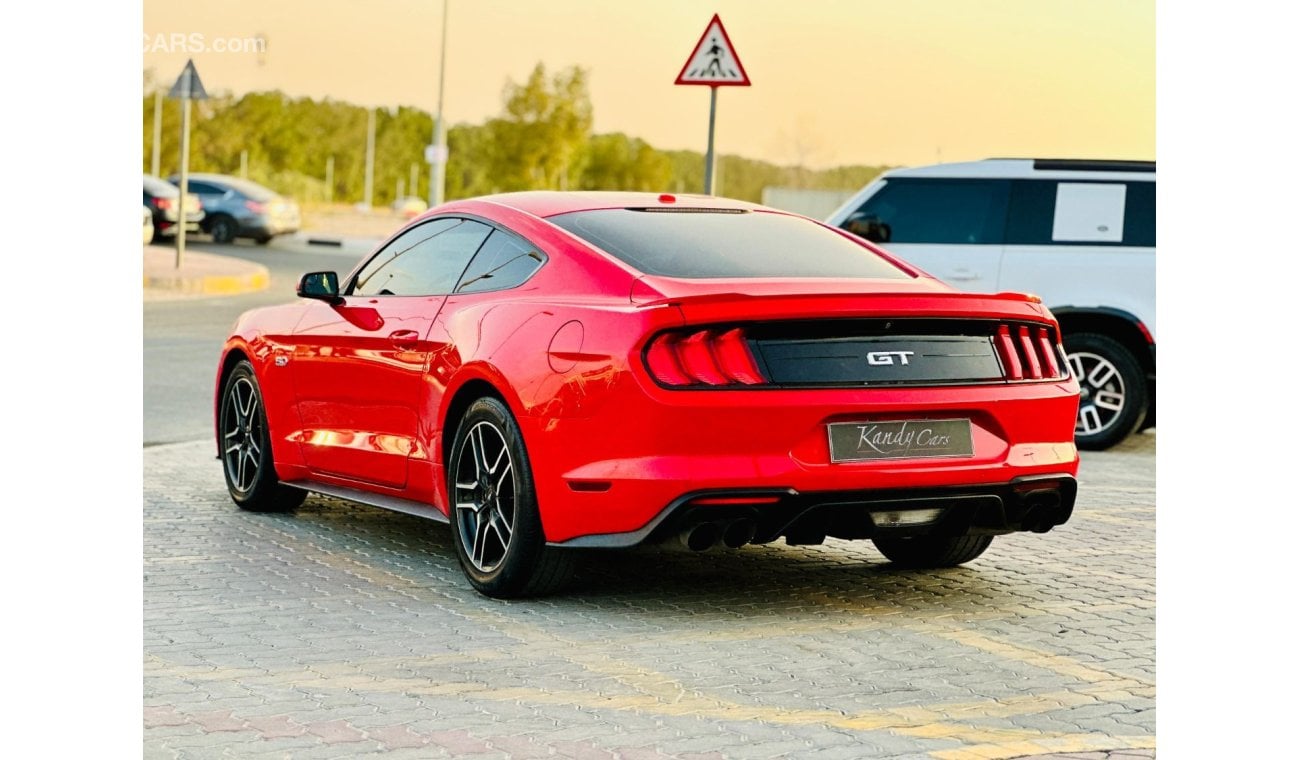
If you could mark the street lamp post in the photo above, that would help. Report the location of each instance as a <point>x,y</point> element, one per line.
<point>370,161</point>
<point>438,166</point>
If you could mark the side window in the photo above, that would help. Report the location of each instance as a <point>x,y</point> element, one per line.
<point>203,188</point>
<point>1140,214</point>
<point>940,211</point>
<point>1033,205</point>
<point>1089,212</point>
<point>1038,208</point>
<point>504,261</point>
<point>425,260</point>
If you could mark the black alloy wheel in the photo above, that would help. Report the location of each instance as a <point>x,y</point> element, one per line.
<point>495,523</point>
<point>246,447</point>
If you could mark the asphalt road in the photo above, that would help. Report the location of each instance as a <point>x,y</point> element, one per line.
<point>182,337</point>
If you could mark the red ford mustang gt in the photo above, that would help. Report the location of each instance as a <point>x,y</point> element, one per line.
<point>551,371</point>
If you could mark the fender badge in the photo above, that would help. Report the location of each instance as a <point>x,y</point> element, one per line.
<point>281,360</point>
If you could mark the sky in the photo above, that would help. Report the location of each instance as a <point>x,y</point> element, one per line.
<point>834,81</point>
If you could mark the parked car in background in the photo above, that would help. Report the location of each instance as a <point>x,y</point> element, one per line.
<point>148,225</point>
<point>410,206</point>
<point>238,208</point>
<point>557,371</point>
<point>1079,233</point>
<point>163,200</point>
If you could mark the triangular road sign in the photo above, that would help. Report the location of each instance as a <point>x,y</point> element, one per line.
<point>714,61</point>
<point>188,84</point>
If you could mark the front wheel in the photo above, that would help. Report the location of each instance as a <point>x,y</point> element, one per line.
<point>494,518</point>
<point>223,229</point>
<point>932,551</point>
<point>1112,390</point>
<point>246,447</point>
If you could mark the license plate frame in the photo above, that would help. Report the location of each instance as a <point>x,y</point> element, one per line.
<point>888,440</point>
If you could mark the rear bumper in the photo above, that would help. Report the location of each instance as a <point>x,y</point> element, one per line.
<point>637,454</point>
<point>1035,503</point>
<point>266,225</point>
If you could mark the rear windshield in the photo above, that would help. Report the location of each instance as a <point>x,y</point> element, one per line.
<point>718,244</point>
<point>160,189</point>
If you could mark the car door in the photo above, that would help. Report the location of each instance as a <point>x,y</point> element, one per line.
<point>358,364</point>
<point>951,228</point>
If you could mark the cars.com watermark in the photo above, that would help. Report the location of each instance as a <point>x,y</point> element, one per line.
<point>197,42</point>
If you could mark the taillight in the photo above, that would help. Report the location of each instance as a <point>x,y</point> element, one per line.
<point>703,357</point>
<point>255,207</point>
<point>1007,351</point>
<point>1028,353</point>
<point>1031,354</point>
<point>1047,350</point>
<point>162,203</point>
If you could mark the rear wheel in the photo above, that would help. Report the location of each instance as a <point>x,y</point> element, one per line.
<point>1112,390</point>
<point>246,448</point>
<point>932,551</point>
<point>494,519</point>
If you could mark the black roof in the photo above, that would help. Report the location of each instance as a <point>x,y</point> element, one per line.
<point>1086,164</point>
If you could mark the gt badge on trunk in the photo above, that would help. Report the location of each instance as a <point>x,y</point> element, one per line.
<point>899,439</point>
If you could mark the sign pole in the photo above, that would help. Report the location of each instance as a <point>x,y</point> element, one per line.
<point>185,176</point>
<point>155,164</point>
<point>714,63</point>
<point>710,161</point>
<point>188,87</point>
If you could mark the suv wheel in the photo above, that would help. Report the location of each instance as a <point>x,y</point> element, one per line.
<point>1112,390</point>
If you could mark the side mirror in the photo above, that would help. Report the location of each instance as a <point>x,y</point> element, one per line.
<point>868,226</point>
<point>323,286</point>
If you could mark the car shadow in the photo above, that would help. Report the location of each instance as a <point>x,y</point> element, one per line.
<point>754,580</point>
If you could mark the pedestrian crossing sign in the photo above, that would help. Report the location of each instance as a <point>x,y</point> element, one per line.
<point>714,61</point>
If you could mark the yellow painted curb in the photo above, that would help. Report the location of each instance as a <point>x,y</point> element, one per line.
<point>212,285</point>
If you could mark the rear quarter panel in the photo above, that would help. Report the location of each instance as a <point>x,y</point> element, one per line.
<point>260,336</point>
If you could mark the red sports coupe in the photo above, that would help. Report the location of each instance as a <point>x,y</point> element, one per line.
<point>556,371</point>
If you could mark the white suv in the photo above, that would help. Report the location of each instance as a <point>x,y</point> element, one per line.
<point>1079,233</point>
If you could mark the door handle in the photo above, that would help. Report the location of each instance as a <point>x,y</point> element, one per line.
<point>404,339</point>
<point>964,275</point>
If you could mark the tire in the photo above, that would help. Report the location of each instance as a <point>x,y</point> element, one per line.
<point>246,459</point>
<point>263,239</point>
<point>223,229</point>
<point>495,524</point>
<point>932,551</point>
<point>1112,390</point>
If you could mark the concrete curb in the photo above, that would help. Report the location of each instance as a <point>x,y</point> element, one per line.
<point>202,274</point>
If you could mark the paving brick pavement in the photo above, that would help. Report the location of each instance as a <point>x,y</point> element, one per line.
<point>342,631</point>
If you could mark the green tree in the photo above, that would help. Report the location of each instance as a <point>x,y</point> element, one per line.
<point>541,140</point>
<point>618,162</point>
<point>547,120</point>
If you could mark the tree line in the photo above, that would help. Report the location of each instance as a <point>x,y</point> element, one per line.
<point>541,140</point>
